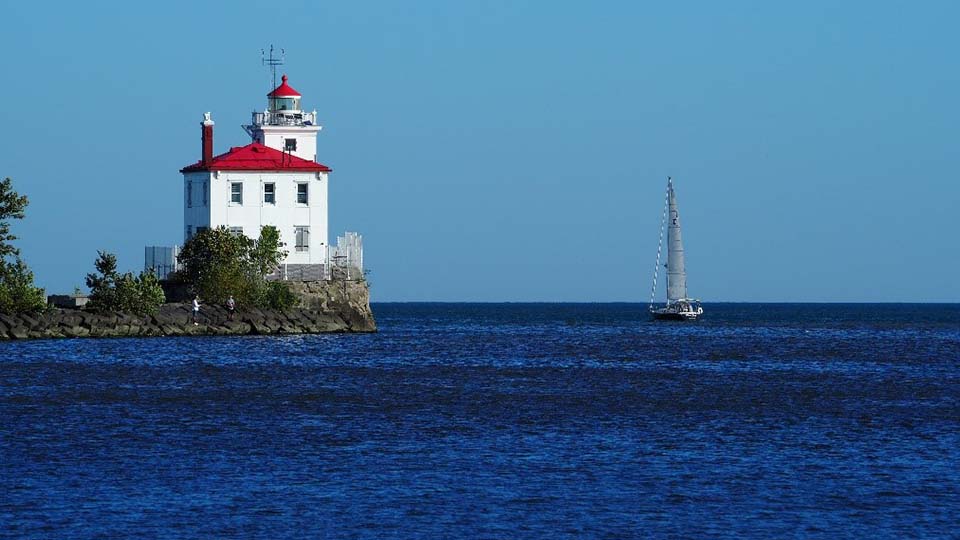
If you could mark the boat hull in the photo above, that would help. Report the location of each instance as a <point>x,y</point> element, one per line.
<point>670,314</point>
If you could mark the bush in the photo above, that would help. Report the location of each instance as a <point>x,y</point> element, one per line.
<point>110,291</point>
<point>17,293</point>
<point>279,296</point>
<point>216,264</point>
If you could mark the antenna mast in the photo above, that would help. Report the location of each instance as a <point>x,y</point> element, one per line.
<point>273,62</point>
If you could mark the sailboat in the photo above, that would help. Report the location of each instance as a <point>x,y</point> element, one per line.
<point>679,305</point>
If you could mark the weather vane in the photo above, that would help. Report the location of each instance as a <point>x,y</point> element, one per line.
<point>273,62</point>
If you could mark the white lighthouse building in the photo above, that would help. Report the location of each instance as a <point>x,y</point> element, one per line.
<point>275,180</point>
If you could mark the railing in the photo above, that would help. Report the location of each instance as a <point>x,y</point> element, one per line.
<point>343,262</point>
<point>284,118</point>
<point>300,272</point>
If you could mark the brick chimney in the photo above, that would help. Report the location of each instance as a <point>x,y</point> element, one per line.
<point>207,139</point>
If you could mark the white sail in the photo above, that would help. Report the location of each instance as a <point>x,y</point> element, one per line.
<point>676,274</point>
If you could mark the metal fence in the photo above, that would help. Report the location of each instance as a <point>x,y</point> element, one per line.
<point>343,261</point>
<point>299,272</point>
<point>346,258</point>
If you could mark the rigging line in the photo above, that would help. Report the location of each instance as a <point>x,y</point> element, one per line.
<point>663,219</point>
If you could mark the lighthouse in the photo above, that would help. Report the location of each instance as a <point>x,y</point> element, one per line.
<point>274,180</point>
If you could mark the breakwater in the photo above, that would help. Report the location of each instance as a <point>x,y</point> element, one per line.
<point>325,307</point>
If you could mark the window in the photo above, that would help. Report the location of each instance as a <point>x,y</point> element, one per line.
<point>303,238</point>
<point>204,192</point>
<point>236,231</point>
<point>189,232</point>
<point>290,145</point>
<point>189,193</point>
<point>302,194</point>
<point>236,192</point>
<point>270,193</point>
<point>284,104</point>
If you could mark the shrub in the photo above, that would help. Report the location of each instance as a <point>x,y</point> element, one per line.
<point>111,291</point>
<point>17,293</point>
<point>279,296</point>
<point>216,264</point>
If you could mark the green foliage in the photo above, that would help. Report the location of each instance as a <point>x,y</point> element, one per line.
<point>267,251</point>
<point>12,206</point>
<point>111,291</point>
<point>279,296</point>
<point>213,255</point>
<point>216,264</point>
<point>17,292</point>
<point>149,292</point>
<point>103,287</point>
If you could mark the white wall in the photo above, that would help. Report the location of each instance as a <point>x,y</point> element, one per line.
<point>286,214</point>
<point>306,136</point>
<point>196,214</point>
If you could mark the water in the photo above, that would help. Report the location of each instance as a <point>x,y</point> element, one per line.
<point>496,421</point>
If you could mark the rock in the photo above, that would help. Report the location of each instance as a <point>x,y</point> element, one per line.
<point>8,320</point>
<point>52,333</point>
<point>259,328</point>
<point>28,321</point>
<point>19,332</point>
<point>74,331</point>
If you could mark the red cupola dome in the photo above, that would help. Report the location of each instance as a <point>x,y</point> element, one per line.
<point>284,90</point>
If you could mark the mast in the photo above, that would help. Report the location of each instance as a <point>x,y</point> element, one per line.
<point>656,267</point>
<point>676,273</point>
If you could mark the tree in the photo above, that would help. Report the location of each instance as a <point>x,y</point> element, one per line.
<point>17,292</point>
<point>268,251</point>
<point>12,206</point>
<point>111,291</point>
<point>216,264</point>
<point>103,287</point>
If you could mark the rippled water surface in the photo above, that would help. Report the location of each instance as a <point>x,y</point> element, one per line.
<point>496,421</point>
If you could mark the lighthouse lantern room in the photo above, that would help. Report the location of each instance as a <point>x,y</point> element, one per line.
<point>284,126</point>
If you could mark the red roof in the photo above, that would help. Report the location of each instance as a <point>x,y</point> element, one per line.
<point>284,90</point>
<point>256,157</point>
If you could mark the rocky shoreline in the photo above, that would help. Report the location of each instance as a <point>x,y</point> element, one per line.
<point>327,308</point>
<point>176,320</point>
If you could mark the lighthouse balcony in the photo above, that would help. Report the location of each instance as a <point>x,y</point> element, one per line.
<point>284,118</point>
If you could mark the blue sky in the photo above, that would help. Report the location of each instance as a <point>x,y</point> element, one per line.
<point>517,151</point>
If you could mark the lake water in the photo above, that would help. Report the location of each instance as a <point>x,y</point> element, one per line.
<point>496,421</point>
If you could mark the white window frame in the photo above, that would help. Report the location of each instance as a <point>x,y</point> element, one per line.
<point>273,193</point>
<point>233,202</point>
<point>306,193</point>
<point>236,231</point>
